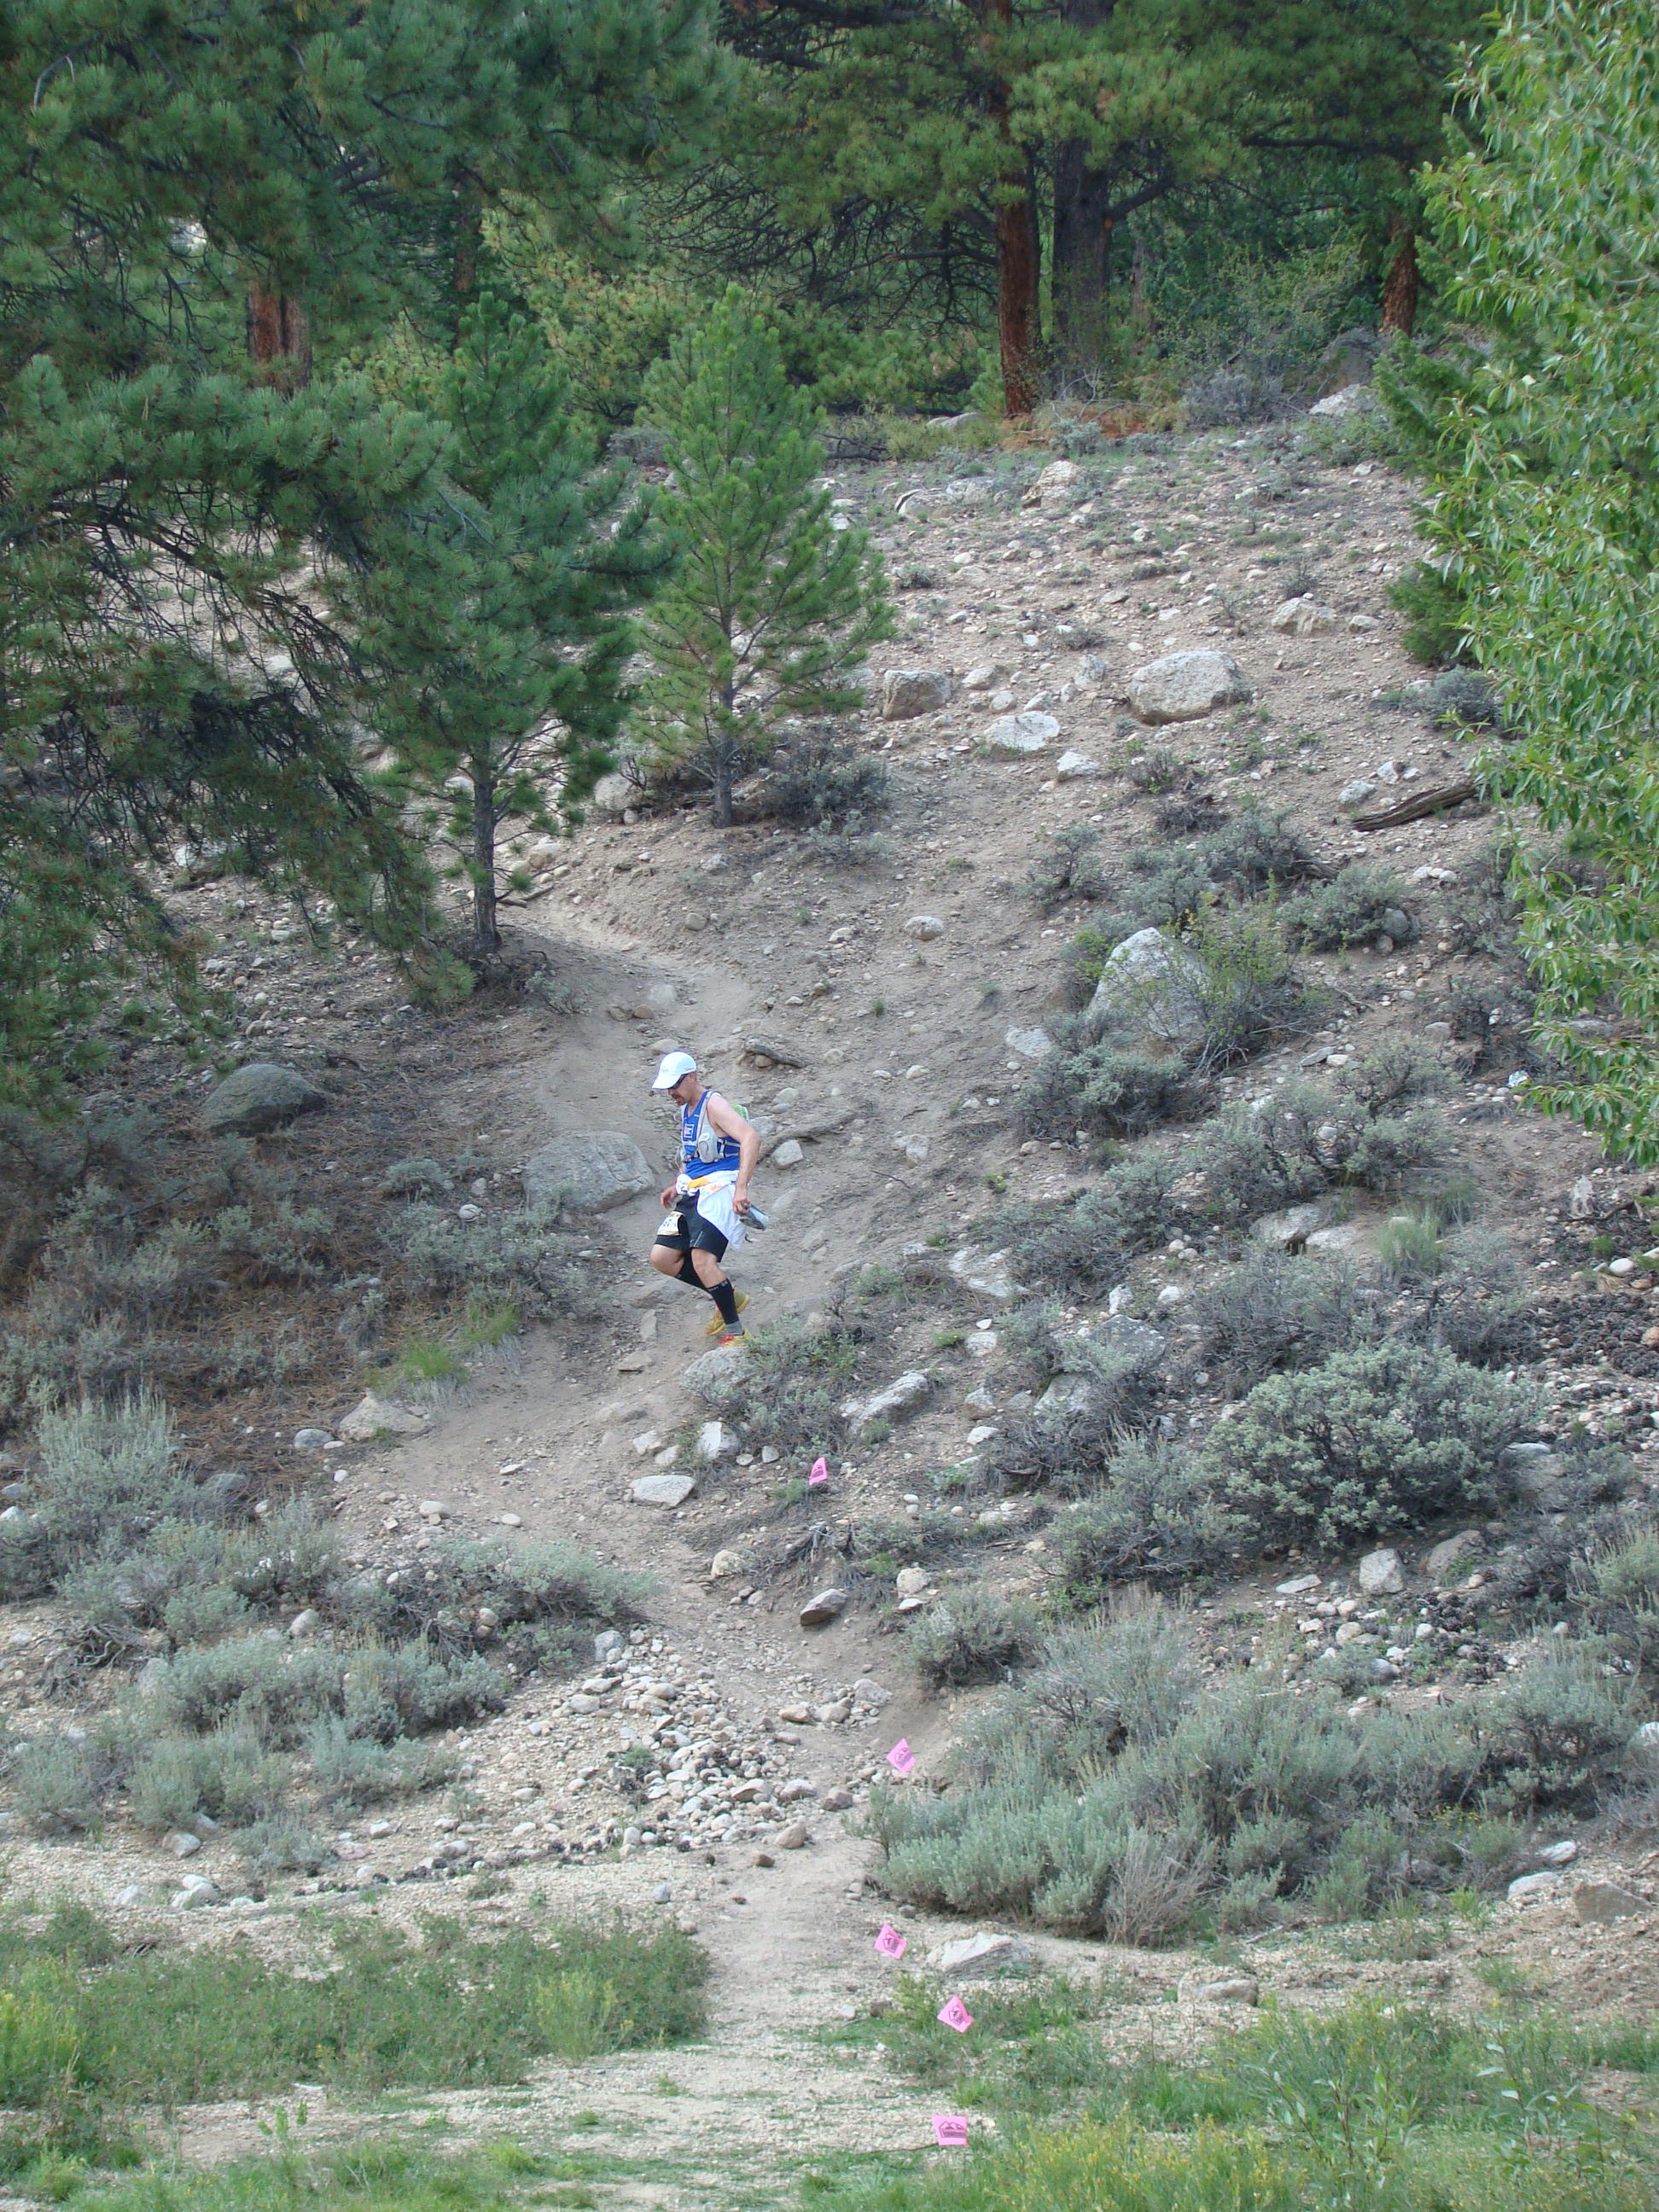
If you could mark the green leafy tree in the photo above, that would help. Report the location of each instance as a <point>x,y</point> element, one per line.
<point>771,608</point>
<point>498,618</point>
<point>1544,511</point>
<point>205,210</point>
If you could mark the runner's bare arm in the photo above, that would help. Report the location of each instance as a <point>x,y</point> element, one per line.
<point>731,1123</point>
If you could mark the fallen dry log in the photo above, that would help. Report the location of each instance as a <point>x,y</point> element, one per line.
<point>1420,803</point>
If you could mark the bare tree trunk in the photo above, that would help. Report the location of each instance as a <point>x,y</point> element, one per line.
<point>725,748</point>
<point>1018,256</point>
<point>1083,232</point>
<point>1399,288</point>
<point>486,936</point>
<point>1082,260</point>
<point>278,336</point>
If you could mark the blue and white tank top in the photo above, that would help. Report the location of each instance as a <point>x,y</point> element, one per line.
<point>705,1150</point>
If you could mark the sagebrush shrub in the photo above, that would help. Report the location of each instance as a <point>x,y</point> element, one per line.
<point>1348,910</point>
<point>1380,1437</point>
<point>1155,1517</point>
<point>971,1636</point>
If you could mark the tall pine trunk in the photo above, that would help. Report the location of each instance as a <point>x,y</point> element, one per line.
<point>1082,260</point>
<point>1083,232</point>
<point>1019,265</point>
<point>278,336</point>
<point>725,748</point>
<point>486,936</point>
<point>1400,287</point>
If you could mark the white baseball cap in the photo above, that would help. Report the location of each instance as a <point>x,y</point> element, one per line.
<point>676,1065</point>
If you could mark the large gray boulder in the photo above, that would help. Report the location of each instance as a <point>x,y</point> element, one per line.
<point>1154,980</point>
<point>259,1097</point>
<point>1184,687</point>
<point>596,1169</point>
<point>907,692</point>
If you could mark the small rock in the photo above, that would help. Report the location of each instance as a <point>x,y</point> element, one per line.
<point>900,1398</point>
<point>1604,1900</point>
<point>793,1837</point>
<point>791,1792</point>
<point>983,679</point>
<point>910,1582</point>
<point>1170,1295</point>
<point>662,1894</point>
<point>869,1693</point>
<point>1075,768</point>
<point>926,925</point>
<point>725,1562</point>
<point>134,1897</point>
<point>1303,618</point>
<point>609,1644</point>
<point>1557,1855</point>
<point>789,1154</point>
<point>837,1801</point>
<point>820,1610</point>
<point>761,1859</point>
<point>595,1170</point>
<point>311,1439</point>
<point>1289,1229</point>
<point>433,1509</point>
<point>907,692</point>
<point>307,1623</point>
<point>1357,792</point>
<point>1451,1551</point>
<point>663,1489</point>
<point>183,1844</point>
<point>973,1954</point>
<point>1533,1888</point>
<point>259,1097</point>
<point>1298,1586</point>
<point>1380,1575</point>
<point>716,1441</point>
<point>379,1417</point>
<point>1022,733</point>
<point>197,1891</point>
<point>1029,1044</point>
<point>1360,624</point>
<point>1184,687</point>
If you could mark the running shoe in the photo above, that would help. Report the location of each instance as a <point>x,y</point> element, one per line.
<point>717,1324</point>
<point>734,1336</point>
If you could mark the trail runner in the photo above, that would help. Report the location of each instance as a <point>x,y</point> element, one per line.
<point>708,1201</point>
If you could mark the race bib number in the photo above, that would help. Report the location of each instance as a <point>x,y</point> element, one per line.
<point>671,1226</point>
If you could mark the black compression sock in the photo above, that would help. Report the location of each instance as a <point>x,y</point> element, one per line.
<point>726,1299</point>
<point>688,1273</point>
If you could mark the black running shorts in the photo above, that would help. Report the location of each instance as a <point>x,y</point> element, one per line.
<point>694,1233</point>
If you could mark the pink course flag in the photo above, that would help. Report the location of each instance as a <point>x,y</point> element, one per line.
<point>900,1758</point>
<point>820,1474</point>
<point>951,2130</point>
<point>891,1943</point>
<point>956,2014</point>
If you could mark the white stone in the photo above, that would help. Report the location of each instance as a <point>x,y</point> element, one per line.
<point>1306,617</point>
<point>823,1607</point>
<point>925,926</point>
<point>1022,733</point>
<point>908,692</point>
<point>1291,1228</point>
<point>1029,1044</point>
<point>663,1489</point>
<point>789,1154</point>
<point>1533,1888</point>
<point>716,1441</point>
<point>1151,975</point>
<point>1351,399</point>
<point>433,1509</point>
<point>183,1844</point>
<point>1361,623</point>
<point>311,1439</point>
<point>307,1623</point>
<point>1357,792</point>
<point>985,1273</point>
<point>725,1563</point>
<point>1380,1574</point>
<point>375,1417</point>
<point>595,1169</point>
<point>1170,1295</point>
<point>910,1582</point>
<point>900,1398</point>
<point>1298,1586</point>
<point>1075,768</point>
<point>1557,1855</point>
<point>1184,687</point>
<point>983,679</point>
<point>972,1953</point>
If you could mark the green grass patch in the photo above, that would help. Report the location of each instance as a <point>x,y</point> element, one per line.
<point>78,2014</point>
<point>424,1359</point>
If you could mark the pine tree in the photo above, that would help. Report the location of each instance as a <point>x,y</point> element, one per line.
<point>972,134</point>
<point>770,608</point>
<point>205,210</point>
<point>494,630</point>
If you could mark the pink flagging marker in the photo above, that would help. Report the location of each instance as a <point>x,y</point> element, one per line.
<point>820,1474</point>
<point>951,2130</point>
<point>956,2014</point>
<point>891,1943</point>
<point>900,1758</point>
